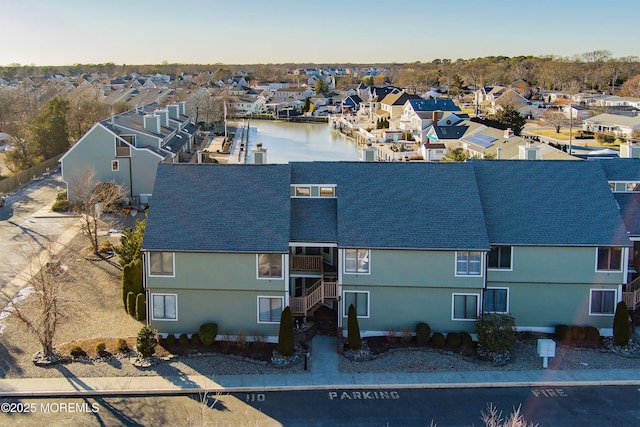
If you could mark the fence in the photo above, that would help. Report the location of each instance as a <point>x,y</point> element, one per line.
<point>10,183</point>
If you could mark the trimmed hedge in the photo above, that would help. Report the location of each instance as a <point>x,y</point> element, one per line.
<point>621,325</point>
<point>577,333</point>
<point>170,339</point>
<point>423,333</point>
<point>208,333</point>
<point>591,334</point>
<point>122,345</point>
<point>438,340</point>
<point>131,303</point>
<point>77,351</point>
<point>184,339</point>
<point>353,333</point>
<point>562,333</point>
<point>465,340</point>
<point>453,339</point>
<point>286,341</point>
<point>141,307</point>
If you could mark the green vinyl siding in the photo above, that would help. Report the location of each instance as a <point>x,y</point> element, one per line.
<point>233,311</point>
<point>554,265</point>
<point>401,268</point>
<point>216,271</point>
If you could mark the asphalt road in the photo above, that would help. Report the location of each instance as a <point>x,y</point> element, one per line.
<point>19,229</point>
<point>549,407</point>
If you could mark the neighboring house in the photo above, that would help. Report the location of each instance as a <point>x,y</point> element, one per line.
<point>621,126</point>
<point>393,103</point>
<point>351,104</point>
<point>292,93</point>
<point>403,242</point>
<point>128,148</point>
<point>417,114</point>
<point>577,112</point>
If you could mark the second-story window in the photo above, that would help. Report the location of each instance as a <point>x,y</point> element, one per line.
<point>356,261</point>
<point>468,263</point>
<point>270,266</point>
<point>609,259</point>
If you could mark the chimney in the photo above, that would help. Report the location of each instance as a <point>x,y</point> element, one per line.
<point>529,152</point>
<point>152,123</point>
<point>183,110</point>
<point>434,116</point>
<point>199,156</point>
<point>113,119</point>
<point>259,154</point>
<point>498,153</point>
<point>629,150</point>
<point>137,109</point>
<point>174,111</point>
<point>369,154</point>
<point>508,133</point>
<point>164,117</point>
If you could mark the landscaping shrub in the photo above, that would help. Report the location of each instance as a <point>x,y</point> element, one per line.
<point>438,340</point>
<point>577,333</point>
<point>141,307</point>
<point>170,340</point>
<point>100,347</point>
<point>353,333</point>
<point>105,247</point>
<point>226,342</point>
<point>241,340</point>
<point>131,303</point>
<point>391,336</point>
<point>423,333</point>
<point>405,335</point>
<point>131,282</point>
<point>61,195</point>
<point>591,334</point>
<point>259,340</point>
<point>183,340</point>
<point>465,340</point>
<point>621,325</point>
<point>208,333</point>
<point>122,345</point>
<point>195,339</point>
<point>61,206</point>
<point>146,342</point>
<point>453,339</point>
<point>562,333</point>
<point>286,340</point>
<point>77,351</point>
<point>496,332</point>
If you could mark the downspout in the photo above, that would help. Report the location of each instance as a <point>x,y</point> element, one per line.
<point>144,286</point>
<point>130,177</point>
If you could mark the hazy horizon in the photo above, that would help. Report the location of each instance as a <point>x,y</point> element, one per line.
<point>67,32</point>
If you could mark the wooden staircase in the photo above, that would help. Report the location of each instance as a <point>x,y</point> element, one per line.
<point>631,296</point>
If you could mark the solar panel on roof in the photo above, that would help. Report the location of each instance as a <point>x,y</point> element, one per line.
<point>484,141</point>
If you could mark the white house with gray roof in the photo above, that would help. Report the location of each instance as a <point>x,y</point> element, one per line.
<point>621,126</point>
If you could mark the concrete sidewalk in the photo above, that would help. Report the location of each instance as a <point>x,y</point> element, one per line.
<point>323,375</point>
<point>155,385</point>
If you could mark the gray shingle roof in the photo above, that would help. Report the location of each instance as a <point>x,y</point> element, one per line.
<point>314,220</point>
<point>219,208</point>
<point>548,203</point>
<point>402,205</point>
<point>621,169</point>
<point>629,204</point>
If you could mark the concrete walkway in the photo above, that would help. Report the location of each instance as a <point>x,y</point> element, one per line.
<point>324,375</point>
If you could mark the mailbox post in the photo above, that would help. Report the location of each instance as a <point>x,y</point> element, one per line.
<point>546,349</point>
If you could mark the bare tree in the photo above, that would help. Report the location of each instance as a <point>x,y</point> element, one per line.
<point>555,118</point>
<point>90,199</point>
<point>46,278</point>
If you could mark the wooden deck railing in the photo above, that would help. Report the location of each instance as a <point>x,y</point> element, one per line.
<point>306,263</point>
<point>317,293</point>
<point>632,296</point>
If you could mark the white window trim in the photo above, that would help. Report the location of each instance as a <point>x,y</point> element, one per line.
<point>270,277</point>
<point>499,312</point>
<point>355,273</point>
<point>453,299</point>
<point>163,319</point>
<point>622,260</point>
<point>345,309</point>
<point>500,269</point>
<point>258,308</point>
<point>173,266</point>
<point>117,163</point>
<point>455,266</point>
<point>615,298</point>
<point>310,187</point>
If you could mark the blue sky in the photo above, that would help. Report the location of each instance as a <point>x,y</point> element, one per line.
<point>59,32</point>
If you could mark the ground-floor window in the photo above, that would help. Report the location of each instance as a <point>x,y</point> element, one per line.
<point>164,306</point>
<point>602,301</point>
<point>496,300</point>
<point>270,309</point>
<point>464,306</point>
<point>359,299</point>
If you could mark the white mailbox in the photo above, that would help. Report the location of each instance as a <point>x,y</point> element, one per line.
<point>546,349</point>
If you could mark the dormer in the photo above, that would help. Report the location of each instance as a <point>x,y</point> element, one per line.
<point>152,123</point>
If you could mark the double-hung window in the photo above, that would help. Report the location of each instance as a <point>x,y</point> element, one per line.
<point>464,307</point>
<point>270,309</point>
<point>356,261</point>
<point>602,302</point>
<point>270,266</point>
<point>496,300</point>
<point>360,301</point>
<point>161,263</point>
<point>500,258</point>
<point>609,259</point>
<point>164,306</point>
<point>468,263</point>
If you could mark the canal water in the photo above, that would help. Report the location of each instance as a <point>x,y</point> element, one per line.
<point>291,142</point>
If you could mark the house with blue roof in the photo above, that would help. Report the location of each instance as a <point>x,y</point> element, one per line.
<point>418,115</point>
<point>406,242</point>
<point>128,147</point>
